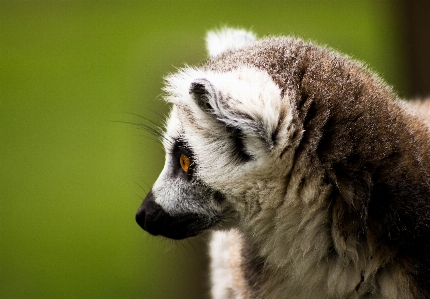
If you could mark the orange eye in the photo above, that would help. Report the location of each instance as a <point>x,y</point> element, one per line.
<point>185,162</point>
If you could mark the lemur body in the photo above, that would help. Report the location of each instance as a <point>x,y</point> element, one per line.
<point>314,175</point>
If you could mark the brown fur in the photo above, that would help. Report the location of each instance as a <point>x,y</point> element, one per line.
<point>372,150</point>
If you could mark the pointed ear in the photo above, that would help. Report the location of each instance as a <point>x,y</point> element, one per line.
<point>242,110</point>
<point>219,41</point>
<point>203,93</point>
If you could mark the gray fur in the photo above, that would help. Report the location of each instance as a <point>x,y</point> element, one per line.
<point>315,175</point>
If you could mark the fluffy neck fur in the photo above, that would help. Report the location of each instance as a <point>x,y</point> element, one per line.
<point>315,239</point>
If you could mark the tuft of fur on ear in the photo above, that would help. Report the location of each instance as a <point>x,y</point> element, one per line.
<point>219,41</point>
<point>202,91</point>
<point>245,101</point>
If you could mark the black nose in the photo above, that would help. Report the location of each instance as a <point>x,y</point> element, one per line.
<point>145,207</point>
<point>155,220</point>
<point>140,217</point>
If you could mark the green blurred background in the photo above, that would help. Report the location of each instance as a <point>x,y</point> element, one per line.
<point>72,177</point>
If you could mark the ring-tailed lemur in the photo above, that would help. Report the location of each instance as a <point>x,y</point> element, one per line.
<point>314,176</point>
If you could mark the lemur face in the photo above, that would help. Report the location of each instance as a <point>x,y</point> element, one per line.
<point>222,138</point>
<point>179,205</point>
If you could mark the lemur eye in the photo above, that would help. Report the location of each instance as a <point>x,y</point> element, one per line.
<point>185,162</point>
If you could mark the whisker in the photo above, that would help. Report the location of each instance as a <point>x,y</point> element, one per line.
<point>155,132</point>
<point>183,245</point>
<point>144,189</point>
<point>147,119</point>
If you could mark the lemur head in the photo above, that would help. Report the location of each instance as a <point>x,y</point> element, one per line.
<point>226,134</point>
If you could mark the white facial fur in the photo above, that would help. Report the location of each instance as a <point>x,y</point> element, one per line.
<point>250,92</point>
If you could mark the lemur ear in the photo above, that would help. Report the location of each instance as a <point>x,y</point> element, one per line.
<point>203,92</point>
<point>219,41</point>
<point>235,113</point>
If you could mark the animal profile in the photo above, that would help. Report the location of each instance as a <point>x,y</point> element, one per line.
<point>312,174</point>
